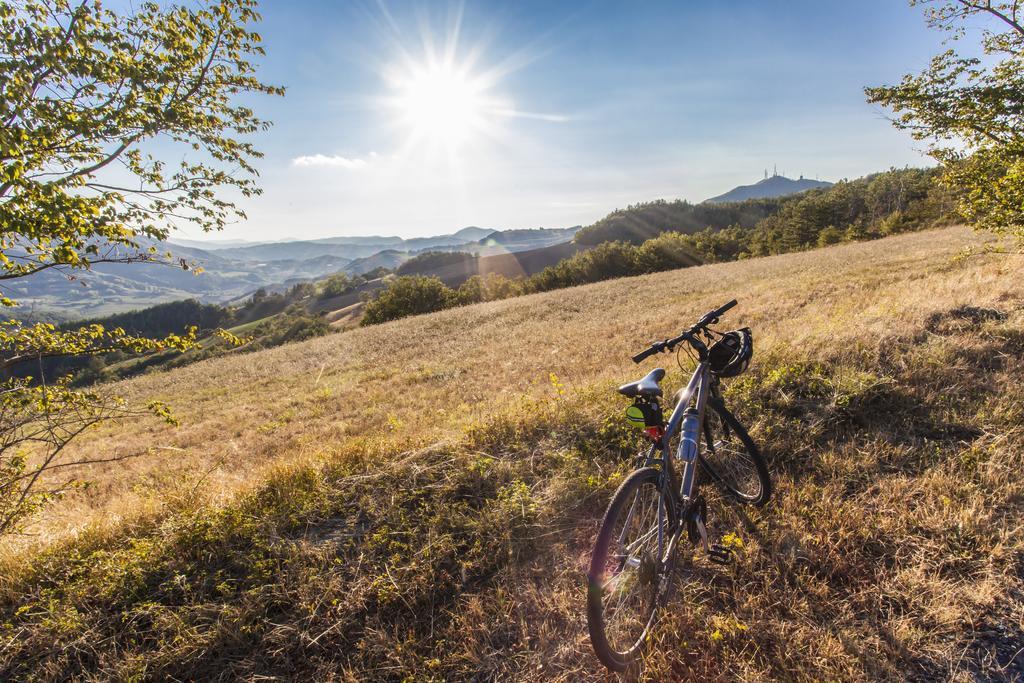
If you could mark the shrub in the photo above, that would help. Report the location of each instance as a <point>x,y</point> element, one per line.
<point>667,251</point>
<point>830,235</point>
<point>607,260</point>
<point>294,324</point>
<point>663,235</point>
<point>337,285</point>
<point>490,287</point>
<point>409,295</point>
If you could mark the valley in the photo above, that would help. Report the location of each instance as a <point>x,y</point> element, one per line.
<point>232,272</point>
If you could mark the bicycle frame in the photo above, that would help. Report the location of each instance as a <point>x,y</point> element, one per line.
<point>696,393</point>
<point>690,420</point>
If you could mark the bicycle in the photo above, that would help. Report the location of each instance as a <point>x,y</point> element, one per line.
<point>634,555</point>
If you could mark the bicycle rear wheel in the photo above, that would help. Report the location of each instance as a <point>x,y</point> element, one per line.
<point>630,568</point>
<point>731,457</point>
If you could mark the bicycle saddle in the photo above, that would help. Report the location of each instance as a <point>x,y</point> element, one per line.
<point>648,386</point>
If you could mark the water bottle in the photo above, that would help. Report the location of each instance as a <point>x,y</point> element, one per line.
<point>691,434</point>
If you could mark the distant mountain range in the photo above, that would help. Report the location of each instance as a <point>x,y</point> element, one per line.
<point>282,249</point>
<point>361,246</point>
<point>213,245</point>
<point>774,186</point>
<point>234,269</point>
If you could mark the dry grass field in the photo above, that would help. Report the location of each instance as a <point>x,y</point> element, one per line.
<point>416,500</point>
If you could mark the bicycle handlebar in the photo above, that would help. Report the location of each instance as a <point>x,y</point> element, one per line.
<point>709,318</point>
<point>646,353</point>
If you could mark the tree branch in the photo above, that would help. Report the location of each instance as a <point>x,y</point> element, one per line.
<point>140,258</point>
<point>89,170</point>
<point>1010,21</point>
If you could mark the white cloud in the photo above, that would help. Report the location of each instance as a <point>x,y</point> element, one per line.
<point>329,160</point>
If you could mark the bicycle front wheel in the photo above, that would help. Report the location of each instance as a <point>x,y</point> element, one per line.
<point>630,568</point>
<point>731,458</point>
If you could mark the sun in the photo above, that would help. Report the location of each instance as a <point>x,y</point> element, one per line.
<point>442,103</point>
<point>447,99</point>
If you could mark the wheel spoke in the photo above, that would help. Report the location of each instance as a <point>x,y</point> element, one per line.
<point>632,571</point>
<point>653,531</point>
<point>728,459</point>
<point>629,517</point>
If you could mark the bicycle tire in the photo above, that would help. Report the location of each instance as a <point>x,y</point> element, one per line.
<point>732,467</point>
<point>616,650</point>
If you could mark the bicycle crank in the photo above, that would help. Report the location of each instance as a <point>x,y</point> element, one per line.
<point>717,553</point>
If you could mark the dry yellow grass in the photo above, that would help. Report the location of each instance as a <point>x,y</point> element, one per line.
<point>422,378</point>
<point>889,409</point>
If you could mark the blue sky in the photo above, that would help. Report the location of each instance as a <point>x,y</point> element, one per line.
<point>554,113</point>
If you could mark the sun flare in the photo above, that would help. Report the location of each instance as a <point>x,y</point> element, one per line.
<point>442,103</point>
<point>448,100</point>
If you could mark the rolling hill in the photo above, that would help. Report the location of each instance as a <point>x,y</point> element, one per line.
<point>389,258</point>
<point>511,264</point>
<point>472,239</point>
<point>231,271</point>
<point>518,240</point>
<point>416,500</point>
<point>773,186</point>
<point>114,287</point>
<point>213,244</point>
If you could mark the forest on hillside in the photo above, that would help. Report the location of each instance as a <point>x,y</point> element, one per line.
<point>905,197</point>
<point>660,235</point>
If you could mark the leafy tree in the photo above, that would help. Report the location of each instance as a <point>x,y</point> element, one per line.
<point>497,286</point>
<point>865,208</point>
<point>337,285</point>
<point>302,290</point>
<point>830,235</point>
<point>668,251</point>
<point>472,291</point>
<point>95,105</point>
<point>606,260</point>
<point>972,110</point>
<point>409,295</point>
<point>490,287</point>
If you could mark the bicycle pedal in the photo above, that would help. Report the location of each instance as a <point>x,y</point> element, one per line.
<point>719,554</point>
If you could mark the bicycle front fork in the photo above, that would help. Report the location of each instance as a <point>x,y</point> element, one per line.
<point>694,508</point>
